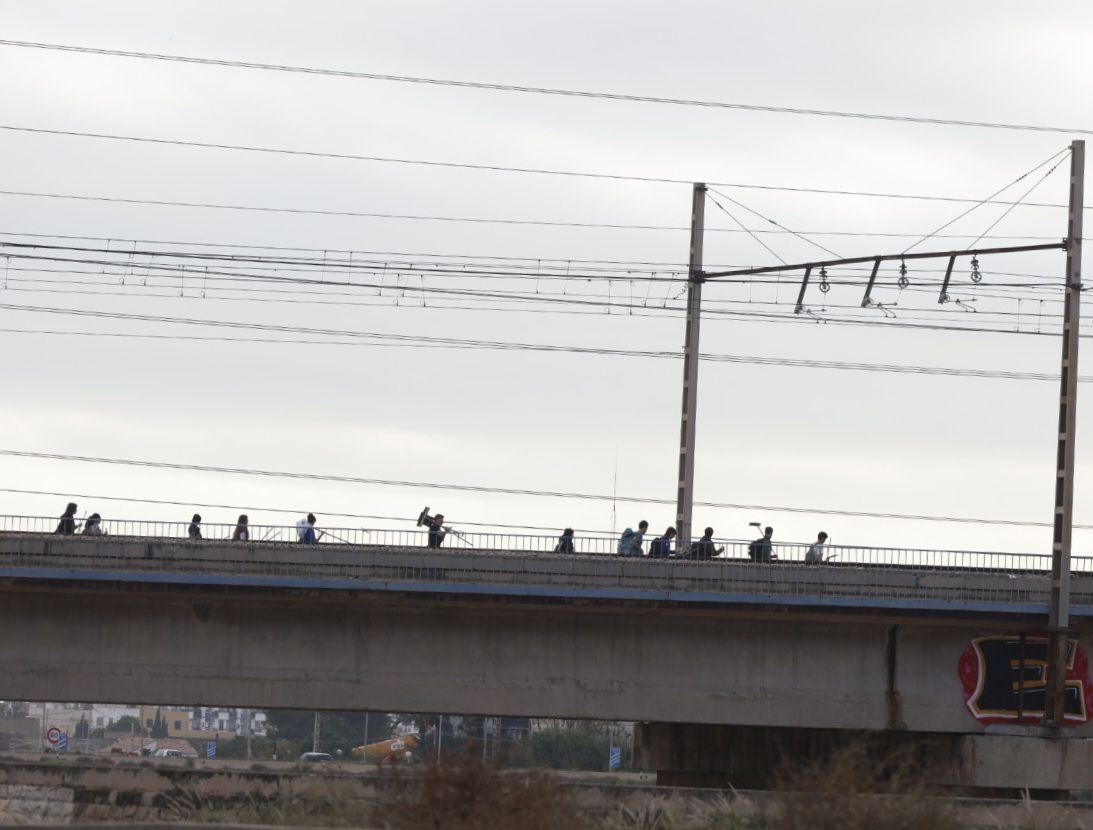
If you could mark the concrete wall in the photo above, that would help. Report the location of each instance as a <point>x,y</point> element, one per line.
<point>750,757</point>
<point>407,653</point>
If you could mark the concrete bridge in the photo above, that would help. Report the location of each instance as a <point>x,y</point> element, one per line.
<point>726,663</point>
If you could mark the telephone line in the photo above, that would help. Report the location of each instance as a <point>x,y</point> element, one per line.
<point>536,90</point>
<point>508,491</point>
<point>410,341</point>
<point>498,168</point>
<point>205,505</point>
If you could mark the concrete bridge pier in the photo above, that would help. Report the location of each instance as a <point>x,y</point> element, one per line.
<point>1003,763</point>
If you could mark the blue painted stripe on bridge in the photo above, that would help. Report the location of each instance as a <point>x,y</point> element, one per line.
<point>544,591</point>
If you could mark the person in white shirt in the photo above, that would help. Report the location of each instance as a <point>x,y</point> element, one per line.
<point>93,525</point>
<point>815,555</point>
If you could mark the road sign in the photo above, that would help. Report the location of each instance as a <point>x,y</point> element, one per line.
<point>615,758</point>
<point>62,742</point>
<point>210,749</point>
<point>53,735</point>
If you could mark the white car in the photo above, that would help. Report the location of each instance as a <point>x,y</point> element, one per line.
<point>167,753</point>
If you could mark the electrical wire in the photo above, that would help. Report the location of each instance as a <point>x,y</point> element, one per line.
<point>987,200</point>
<point>743,227</point>
<point>252,509</point>
<point>374,215</point>
<point>1024,175</point>
<point>776,224</point>
<point>348,213</point>
<point>1009,210</point>
<point>499,87</point>
<point>497,168</point>
<point>888,368</point>
<point>453,341</point>
<point>508,491</point>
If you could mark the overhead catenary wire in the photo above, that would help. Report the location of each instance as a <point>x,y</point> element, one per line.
<point>312,331</point>
<point>800,363</point>
<point>282,510</point>
<point>373,214</point>
<point>253,289</point>
<point>1009,209</point>
<point>510,491</point>
<point>856,317</point>
<point>988,200</point>
<point>493,293</point>
<point>770,221</point>
<point>347,213</point>
<point>498,168</point>
<point>743,227</point>
<point>537,90</point>
<point>159,262</point>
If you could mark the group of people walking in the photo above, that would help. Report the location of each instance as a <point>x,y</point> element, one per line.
<point>631,543</point>
<point>92,526</point>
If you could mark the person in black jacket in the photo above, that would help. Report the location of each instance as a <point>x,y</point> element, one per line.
<point>704,548</point>
<point>242,530</point>
<point>761,550</point>
<point>662,546</point>
<point>437,531</point>
<point>67,525</point>
<point>565,542</point>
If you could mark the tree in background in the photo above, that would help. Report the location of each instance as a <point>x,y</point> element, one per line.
<point>126,724</point>
<point>83,728</point>
<point>159,726</point>
<point>577,749</point>
<point>14,709</point>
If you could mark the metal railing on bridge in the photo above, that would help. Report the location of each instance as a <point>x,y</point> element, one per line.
<point>586,544</point>
<point>526,564</point>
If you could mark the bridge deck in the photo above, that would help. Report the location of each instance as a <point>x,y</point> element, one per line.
<point>920,588</point>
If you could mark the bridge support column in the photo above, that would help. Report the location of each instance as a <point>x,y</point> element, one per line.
<point>1001,764</point>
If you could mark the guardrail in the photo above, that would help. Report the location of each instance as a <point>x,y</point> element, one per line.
<point>584,545</point>
<point>485,572</point>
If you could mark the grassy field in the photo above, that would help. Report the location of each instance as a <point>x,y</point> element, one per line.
<point>850,790</point>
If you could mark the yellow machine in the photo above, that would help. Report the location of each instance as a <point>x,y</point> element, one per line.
<point>389,751</point>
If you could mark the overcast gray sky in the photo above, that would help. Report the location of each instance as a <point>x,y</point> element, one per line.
<point>786,437</point>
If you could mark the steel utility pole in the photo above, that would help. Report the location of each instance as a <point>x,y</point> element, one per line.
<point>1059,612</point>
<point>695,277</point>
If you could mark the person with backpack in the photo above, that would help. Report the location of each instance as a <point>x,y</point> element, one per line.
<point>761,550</point>
<point>565,542</point>
<point>661,548</point>
<point>437,531</point>
<point>305,530</point>
<point>630,543</point>
<point>704,549</point>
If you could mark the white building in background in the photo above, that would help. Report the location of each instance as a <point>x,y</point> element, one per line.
<point>242,722</point>
<point>65,716</point>
<point>181,721</point>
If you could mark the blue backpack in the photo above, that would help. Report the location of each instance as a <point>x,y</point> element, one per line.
<point>626,542</point>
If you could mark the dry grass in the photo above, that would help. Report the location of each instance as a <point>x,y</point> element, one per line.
<point>468,795</point>
<point>856,789</point>
<point>675,812</point>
